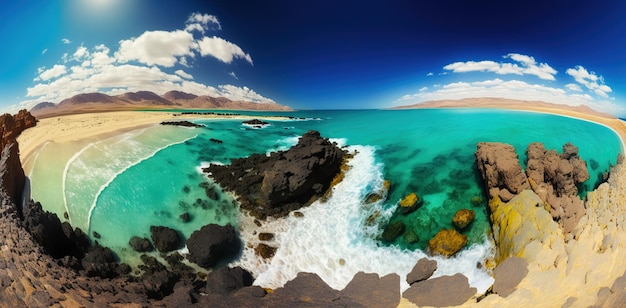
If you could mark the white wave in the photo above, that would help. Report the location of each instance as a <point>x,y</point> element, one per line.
<point>105,185</point>
<point>332,240</point>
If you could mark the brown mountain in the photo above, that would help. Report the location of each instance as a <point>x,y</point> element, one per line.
<point>492,102</point>
<point>99,102</point>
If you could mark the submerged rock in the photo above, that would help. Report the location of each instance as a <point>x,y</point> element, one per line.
<point>393,230</point>
<point>462,218</point>
<point>213,244</point>
<point>140,244</point>
<point>447,242</point>
<point>284,181</point>
<point>410,203</point>
<point>410,236</point>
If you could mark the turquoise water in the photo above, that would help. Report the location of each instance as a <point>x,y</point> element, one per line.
<point>120,185</point>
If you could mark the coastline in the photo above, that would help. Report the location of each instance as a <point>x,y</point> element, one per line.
<point>590,233</point>
<point>80,126</point>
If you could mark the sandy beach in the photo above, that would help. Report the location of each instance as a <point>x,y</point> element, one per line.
<point>86,125</point>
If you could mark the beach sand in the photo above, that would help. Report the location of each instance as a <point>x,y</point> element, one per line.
<point>577,280</point>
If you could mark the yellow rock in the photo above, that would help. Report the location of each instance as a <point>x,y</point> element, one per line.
<point>409,200</point>
<point>463,218</point>
<point>447,242</point>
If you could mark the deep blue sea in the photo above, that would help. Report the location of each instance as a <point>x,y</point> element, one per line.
<point>122,184</point>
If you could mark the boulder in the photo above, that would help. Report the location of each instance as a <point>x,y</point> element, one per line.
<point>500,170</point>
<point>410,237</point>
<point>442,291</point>
<point>226,279</point>
<point>165,239</point>
<point>213,244</point>
<point>284,181</point>
<point>410,203</point>
<point>447,242</point>
<point>265,251</point>
<point>392,231</point>
<point>422,270</point>
<point>462,218</point>
<point>140,244</point>
<point>370,290</point>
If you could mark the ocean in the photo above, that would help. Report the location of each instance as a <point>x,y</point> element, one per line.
<point>121,184</point>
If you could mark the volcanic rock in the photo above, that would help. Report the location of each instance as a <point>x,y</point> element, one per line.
<point>255,122</point>
<point>447,242</point>
<point>140,244</point>
<point>165,239</point>
<point>284,181</point>
<point>462,218</point>
<point>181,123</point>
<point>213,244</point>
<point>226,279</point>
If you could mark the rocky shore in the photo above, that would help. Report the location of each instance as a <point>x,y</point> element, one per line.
<point>553,248</point>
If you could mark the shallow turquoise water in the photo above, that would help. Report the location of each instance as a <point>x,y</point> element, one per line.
<point>121,185</point>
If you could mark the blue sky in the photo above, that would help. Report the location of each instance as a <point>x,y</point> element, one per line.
<point>317,55</point>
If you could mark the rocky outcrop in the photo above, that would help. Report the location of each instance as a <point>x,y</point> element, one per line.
<point>12,177</point>
<point>213,244</point>
<point>523,228</point>
<point>181,123</point>
<point>284,181</point>
<point>555,178</point>
<point>165,239</point>
<point>499,167</point>
<point>12,126</point>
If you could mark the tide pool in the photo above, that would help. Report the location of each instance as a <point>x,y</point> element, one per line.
<point>120,185</point>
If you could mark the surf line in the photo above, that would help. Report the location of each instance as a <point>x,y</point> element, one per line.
<point>78,154</point>
<point>103,187</point>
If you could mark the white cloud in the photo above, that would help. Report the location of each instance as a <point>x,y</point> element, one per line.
<point>430,74</point>
<point>511,89</point>
<point>232,74</point>
<point>200,22</point>
<point>137,65</point>
<point>590,80</point>
<point>222,49</point>
<point>65,41</point>
<point>423,89</point>
<point>56,71</point>
<point>183,74</point>
<point>157,47</point>
<point>573,87</point>
<point>526,65</point>
<point>44,51</point>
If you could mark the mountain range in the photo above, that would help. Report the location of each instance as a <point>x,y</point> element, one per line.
<point>492,102</point>
<point>99,102</point>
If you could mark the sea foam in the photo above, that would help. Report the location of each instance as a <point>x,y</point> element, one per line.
<point>332,240</point>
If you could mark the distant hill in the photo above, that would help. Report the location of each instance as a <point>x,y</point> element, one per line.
<point>492,102</point>
<point>99,102</point>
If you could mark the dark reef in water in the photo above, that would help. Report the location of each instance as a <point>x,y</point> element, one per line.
<point>284,181</point>
<point>182,123</point>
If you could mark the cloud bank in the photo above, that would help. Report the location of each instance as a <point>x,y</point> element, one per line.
<point>142,63</point>
<point>586,88</point>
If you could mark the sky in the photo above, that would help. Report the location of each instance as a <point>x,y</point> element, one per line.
<point>316,54</point>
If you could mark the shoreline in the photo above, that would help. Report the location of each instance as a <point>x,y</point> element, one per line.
<point>81,126</point>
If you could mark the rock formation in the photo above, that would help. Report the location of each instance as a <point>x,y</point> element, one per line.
<point>553,177</point>
<point>462,218</point>
<point>447,242</point>
<point>212,244</point>
<point>284,181</point>
<point>181,123</point>
<point>499,167</point>
<point>165,239</point>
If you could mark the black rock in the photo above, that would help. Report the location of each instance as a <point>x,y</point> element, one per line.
<point>185,217</point>
<point>140,244</point>
<point>96,235</point>
<point>213,244</point>
<point>255,122</point>
<point>182,123</point>
<point>226,279</point>
<point>165,239</point>
<point>393,230</point>
<point>284,181</point>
